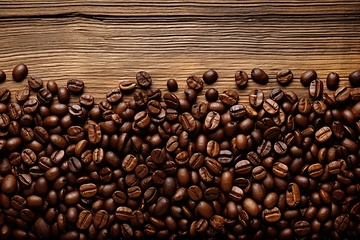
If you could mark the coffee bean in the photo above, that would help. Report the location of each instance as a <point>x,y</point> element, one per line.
<point>210,76</point>
<point>332,81</point>
<point>195,83</point>
<point>143,79</point>
<point>342,94</point>
<point>280,170</point>
<point>20,72</point>
<point>4,95</point>
<point>284,77</point>
<point>316,88</point>
<point>75,86</point>
<point>315,170</point>
<point>23,94</point>
<point>259,76</point>
<point>35,83</point>
<point>293,195</point>
<point>88,190</point>
<point>241,79</point>
<point>323,134</point>
<point>2,76</point>
<point>172,85</point>
<point>256,98</point>
<point>354,78</point>
<point>271,215</point>
<point>307,77</point>
<point>302,228</point>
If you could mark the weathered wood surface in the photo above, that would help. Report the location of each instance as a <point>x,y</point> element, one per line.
<point>105,42</point>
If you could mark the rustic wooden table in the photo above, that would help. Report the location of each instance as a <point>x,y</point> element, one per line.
<point>105,42</point>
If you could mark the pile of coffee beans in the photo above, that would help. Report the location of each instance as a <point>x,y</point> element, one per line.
<point>157,166</point>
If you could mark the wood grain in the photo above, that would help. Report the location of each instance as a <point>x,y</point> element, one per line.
<point>105,42</point>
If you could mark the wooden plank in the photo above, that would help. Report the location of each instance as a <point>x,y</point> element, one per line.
<point>207,8</point>
<point>113,41</point>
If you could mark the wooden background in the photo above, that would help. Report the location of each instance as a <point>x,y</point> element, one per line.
<point>105,42</point>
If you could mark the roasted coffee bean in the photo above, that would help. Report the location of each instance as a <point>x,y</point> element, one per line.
<point>277,94</point>
<point>342,94</point>
<point>315,170</point>
<point>113,96</point>
<point>280,170</point>
<point>44,96</point>
<point>323,134</point>
<point>256,98</point>
<point>172,85</point>
<point>28,156</point>
<point>75,86</point>
<point>302,228</point>
<point>2,76</point>
<point>23,94</point>
<point>271,215</point>
<point>143,79</point>
<point>293,195</point>
<point>195,83</point>
<point>35,83</point>
<point>332,81</point>
<point>241,79</point>
<point>354,78</point>
<point>270,106</point>
<point>284,77</point>
<point>88,190</point>
<point>4,95</point>
<point>259,76</point>
<point>210,76</point>
<point>229,97</point>
<point>307,77</point>
<point>19,72</point>
<point>316,88</point>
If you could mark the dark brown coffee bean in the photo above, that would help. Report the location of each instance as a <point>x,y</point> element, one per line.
<point>195,83</point>
<point>342,94</point>
<point>307,77</point>
<point>35,83</point>
<point>277,94</point>
<point>304,106</point>
<point>302,228</point>
<point>323,134</point>
<point>129,163</point>
<point>292,195</point>
<point>23,94</point>
<point>204,209</point>
<point>243,167</point>
<point>4,95</point>
<point>195,193</point>
<point>143,79</point>
<point>212,120</point>
<point>28,156</point>
<point>171,100</point>
<point>210,76</point>
<point>256,98</point>
<point>19,72</point>
<point>316,88</point>
<point>354,78</point>
<point>315,170</point>
<point>229,97</point>
<point>251,207</point>
<point>88,190</point>
<point>114,95</point>
<point>75,86</point>
<point>44,96</point>
<point>272,133</point>
<point>270,106</point>
<point>8,184</point>
<point>188,122</point>
<point>284,77</point>
<point>332,81</point>
<point>264,148</point>
<point>241,79</point>
<point>74,164</point>
<point>280,170</point>
<point>271,215</point>
<point>259,76</point>
<point>2,76</point>
<point>84,220</point>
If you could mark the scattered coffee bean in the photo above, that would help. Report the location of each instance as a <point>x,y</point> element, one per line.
<point>143,79</point>
<point>332,81</point>
<point>20,72</point>
<point>241,79</point>
<point>210,76</point>
<point>284,77</point>
<point>307,77</point>
<point>172,85</point>
<point>2,76</point>
<point>259,76</point>
<point>354,78</point>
